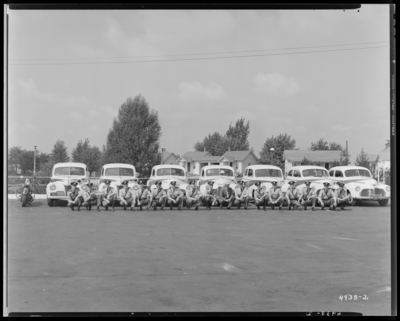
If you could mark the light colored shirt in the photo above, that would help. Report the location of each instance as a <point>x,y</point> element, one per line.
<point>275,192</point>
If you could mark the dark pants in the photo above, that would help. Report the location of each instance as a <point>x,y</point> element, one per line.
<point>179,202</point>
<point>193,202</point>
<point>223,202</point>
<point>310,202</point>
<point>208,201</point>
<point>293,203</point>
<point>77,201</point>
<point>244,200</point>
<point>102,200</point>
<point>342,203</point>
<point>143,201</point>
<point>261,202</point>
<point>91,201</point>
<point>330,202</point>
<point>279,203</point>
<point>159,202</point>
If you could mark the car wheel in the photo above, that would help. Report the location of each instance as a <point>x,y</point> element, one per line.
<point>50,202</point>
<point>383,202</point>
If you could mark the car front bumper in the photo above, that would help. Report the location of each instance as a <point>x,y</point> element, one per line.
<point>372,198</point>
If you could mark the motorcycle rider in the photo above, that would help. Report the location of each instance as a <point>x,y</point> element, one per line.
<point>326,197</point>
<point>175,196</point>
<point>241,194</point>
<point>88,197</point>
<point>292,196</point>
<point>142,195</point>
<point>193,196</point>
<point>275,195</point>
<point>308,196</point>
<point>158,197</point>
<point>126,196</point>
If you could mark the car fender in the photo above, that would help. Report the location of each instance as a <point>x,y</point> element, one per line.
<point>57,186</point>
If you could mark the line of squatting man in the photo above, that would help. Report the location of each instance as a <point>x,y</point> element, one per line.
<point>141,196</point>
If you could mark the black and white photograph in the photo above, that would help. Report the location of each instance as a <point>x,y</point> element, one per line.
<point>199,160</point>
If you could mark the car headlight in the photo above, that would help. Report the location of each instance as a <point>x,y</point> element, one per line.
<point>388,188</point>
<point>357,188</point>
<point>52,187</point>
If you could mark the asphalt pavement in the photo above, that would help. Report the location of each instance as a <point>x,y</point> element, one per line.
<point>188,261</point>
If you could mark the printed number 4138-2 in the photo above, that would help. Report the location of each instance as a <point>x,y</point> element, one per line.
<point>354,297</point>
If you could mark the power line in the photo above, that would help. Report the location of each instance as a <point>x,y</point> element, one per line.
<point>198,54</point>
<point>188,59</point>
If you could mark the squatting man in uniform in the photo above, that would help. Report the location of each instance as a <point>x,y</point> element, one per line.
<point>308,196</point>
<point>260,196</point>
<point>193,196</point>
<point>326,197</point>
<point>209,196</point>
<point>226,197</point>
<point>88,197</point>
<point>275,195</point>
<point>73,196</point>
<point>126,196</point>
<point>342,198</point>
<point>175,196</point>
<point>143,195</point>
<point>106,196</point>
<point>158,197</point>
<point>241,194</point>
<point>293,196</point>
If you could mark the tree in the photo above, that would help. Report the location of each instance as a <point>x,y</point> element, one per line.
<point>306,161</point>
<point>46,169</point>
<point>134,136</point>
<point>320,145</point>
<point>215,144</point>
<point>362,159</point>
<point>42,158</point>
<point>279,143</point>
<point>14,157</point>
<point>77,152</point>
<point>238,136</point>
<point>59,153</point>
<point>335,146</point>
<point>84,153</point>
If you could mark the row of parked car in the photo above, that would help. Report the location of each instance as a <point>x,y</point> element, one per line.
<point>358,180</point>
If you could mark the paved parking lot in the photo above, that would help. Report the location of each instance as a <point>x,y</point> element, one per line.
<point>218,260</point>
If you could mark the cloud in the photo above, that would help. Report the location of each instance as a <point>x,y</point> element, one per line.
<point>111,110</point>
<point>195,91</point>
<point>92,112</point>
<point>76,116</point>
<point>341,128</point>
<point>29,88</point>
<point>274,84</point>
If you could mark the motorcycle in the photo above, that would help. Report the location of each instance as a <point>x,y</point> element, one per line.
<point>25,194</point>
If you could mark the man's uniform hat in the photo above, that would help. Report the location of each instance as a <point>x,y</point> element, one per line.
<point>124,183</point>
<point>210,183</point>
<point>107,182</point>
<point>173,183</point>
<point>307,183</point>
<point>326,183</point>
<point>292,182</point>
<point>74,183</point>
<point>340,183</point>
<point>158,183</point>
<point>257,184</point>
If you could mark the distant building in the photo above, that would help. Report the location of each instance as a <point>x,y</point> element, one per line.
<point>324,158</point>
<point>240,159</point>
<point>382,162</point>
<point>168,158</point>
<point>193,162</point>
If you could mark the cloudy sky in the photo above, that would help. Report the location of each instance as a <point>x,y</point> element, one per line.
<point>68,74</point>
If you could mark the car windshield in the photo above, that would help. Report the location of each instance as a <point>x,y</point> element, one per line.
<point>119,171</point>
<point>170,171</point>
<point>315,172</point>
<point>75,171</point>
<point>219,172</point>
<point>268,173</point>
<point>357,172</point>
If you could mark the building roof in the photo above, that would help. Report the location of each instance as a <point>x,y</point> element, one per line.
<point>195,154</point>
<point>315,156</point>
<point>372,157</point>
<point>239,155</point>
<point>206,159</point>
<point>384,155</point>
<point>165,155</point>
